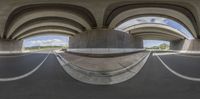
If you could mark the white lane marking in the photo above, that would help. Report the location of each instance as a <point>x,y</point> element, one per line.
<point>24,54</point>
<point>26,74</point>
<point>191,56</point>
<point>177,54</point>
<point>5,56</point>
<point>176,73</point>
<point>170,53</point>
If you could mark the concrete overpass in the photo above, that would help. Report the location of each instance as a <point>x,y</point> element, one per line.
<point>91,23</point>
<point>99,54</point>
<point>149,30</point>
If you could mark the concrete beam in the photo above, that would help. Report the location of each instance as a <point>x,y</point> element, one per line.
<point>101,11</point>
<point>46,29</point>
<point>35,14</point>
<point>126,15</point>
<point>47,21</point>
<point>155,28</point>
<point>156,36</point>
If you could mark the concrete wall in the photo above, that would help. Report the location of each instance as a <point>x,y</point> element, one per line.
<point>100,38</point>
<point>104,51</point>
<point>188,45</point>
<point>11,45</point>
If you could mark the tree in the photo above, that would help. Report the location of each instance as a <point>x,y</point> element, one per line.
<point>164,46</point>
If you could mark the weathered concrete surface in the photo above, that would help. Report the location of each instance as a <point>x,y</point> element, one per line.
<point>103,64</point>
<point>97,13</point>
<point>104,38</point>
<point>188,45</point>
<point>155,31</point>
<point>104,51</point>
<point>11,45</point>
<point>103,71</point>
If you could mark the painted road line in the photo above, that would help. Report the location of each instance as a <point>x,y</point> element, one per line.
<point>190,56</point>
<point>26,74</point>
<point>25,54</point>
<point>176,73</point>
<point>171,53</point>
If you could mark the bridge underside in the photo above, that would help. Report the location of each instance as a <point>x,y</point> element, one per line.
<point>93,24</point>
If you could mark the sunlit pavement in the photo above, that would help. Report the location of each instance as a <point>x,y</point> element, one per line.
<point>50,81</point>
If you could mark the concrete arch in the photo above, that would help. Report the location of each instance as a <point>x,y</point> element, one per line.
<point>47,13</point>
<point>49,22</point>
<point>155,28</point>
<point>30,12</point>
<point>124,16</point>
<point>42,33</point>
<point>54,29</point>
<point>155,36</point>
<point>176,11</point>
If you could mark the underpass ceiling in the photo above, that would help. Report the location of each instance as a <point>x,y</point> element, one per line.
<point>97,9</point>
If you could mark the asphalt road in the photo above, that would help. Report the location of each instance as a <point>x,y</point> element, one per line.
<point>185,64</point>
<point>50,81</point>
<point>16,65</point>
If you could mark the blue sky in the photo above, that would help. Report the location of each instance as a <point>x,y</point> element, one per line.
<point>48,40</point>
<point>151,43</point>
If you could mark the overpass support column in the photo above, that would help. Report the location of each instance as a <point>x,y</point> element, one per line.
<point>11,45</point>
<point>101,68</point>
<point>187,45</point>
<point>104,38</point>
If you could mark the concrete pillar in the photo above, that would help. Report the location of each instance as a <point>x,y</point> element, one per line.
<point>187,45</point>
<point>11,45</point>
<point>104,38</point>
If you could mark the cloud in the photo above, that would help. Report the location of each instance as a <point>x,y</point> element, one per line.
<point>49,42</point>
<point>141,20</point>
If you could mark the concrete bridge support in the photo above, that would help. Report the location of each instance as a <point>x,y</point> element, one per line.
<point>103,71</point>
<point>11,45</point>
<point>187,45</point>
<point>104,38</point>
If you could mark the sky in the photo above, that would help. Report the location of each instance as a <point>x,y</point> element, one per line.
<point>60,40</point>
<point>151,43</point>
<point>47,40</point>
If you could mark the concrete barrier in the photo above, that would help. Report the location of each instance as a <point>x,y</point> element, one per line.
<point>102,78</point>
<point>104,51</point>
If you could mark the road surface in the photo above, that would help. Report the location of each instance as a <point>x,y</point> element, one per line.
<point>50,81</point>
